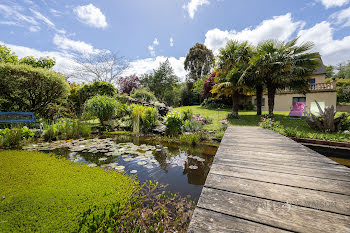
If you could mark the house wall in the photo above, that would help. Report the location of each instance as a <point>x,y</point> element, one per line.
<point>284,102</point>
<point>319,78</point>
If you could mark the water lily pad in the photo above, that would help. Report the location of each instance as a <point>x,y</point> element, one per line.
<point>119,168</point>
<point>193,167</point>
<point>158,150</point>
<point>141,163</point>
<point>153,161</point>
<point>92,165</point>
<point>148,166</point>
<point>133,171</point>
<point>102,159</point>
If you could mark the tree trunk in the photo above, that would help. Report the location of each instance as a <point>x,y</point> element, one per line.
<point>271,91</point>
<point>235,104</point>
<point>259,94</point>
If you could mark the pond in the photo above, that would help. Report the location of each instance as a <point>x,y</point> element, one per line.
<point>182,169</point>
<point>337,154</point>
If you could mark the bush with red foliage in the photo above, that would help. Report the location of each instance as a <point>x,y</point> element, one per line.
<point>126,84</point>
<point>208,85</point>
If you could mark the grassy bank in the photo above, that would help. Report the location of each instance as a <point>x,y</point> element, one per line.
<point>45,194</point>
<point>292,127</point>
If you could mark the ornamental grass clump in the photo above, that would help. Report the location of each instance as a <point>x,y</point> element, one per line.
<point>173,124</point>
<point>144,118</point>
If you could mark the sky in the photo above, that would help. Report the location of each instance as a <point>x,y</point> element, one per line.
<point>148,32</point>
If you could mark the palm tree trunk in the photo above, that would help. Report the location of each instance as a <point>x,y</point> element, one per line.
<point>271,91</point>
<point>259,93</point>
<point>235,104</point>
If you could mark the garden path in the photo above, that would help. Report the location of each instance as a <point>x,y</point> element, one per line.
<point>261,181</point>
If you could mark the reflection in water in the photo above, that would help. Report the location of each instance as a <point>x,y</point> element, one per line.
<point>337,154</point>
<point>182,168</point>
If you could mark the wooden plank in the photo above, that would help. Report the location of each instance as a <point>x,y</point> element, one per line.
<point>303,197</point>
<point>281,215</point>
<point>210,221</point>
<point>261,181</point>
<point>334,186</point>
<point>278,158</point>
<point>289,169</point>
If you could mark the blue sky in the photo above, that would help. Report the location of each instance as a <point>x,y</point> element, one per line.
<point>148,32</point>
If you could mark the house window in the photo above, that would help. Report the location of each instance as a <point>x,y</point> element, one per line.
<point>312,82</point>
<point>262,102</point>
<point>299,99</point>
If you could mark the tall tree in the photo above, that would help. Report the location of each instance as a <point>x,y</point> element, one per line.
<point>343,71</point>
<point>43,62</point>
<point>283,65</point>
<point>199,61</point>
<point>161,80</point>
<point>103,66</point>
<point>128,83</point>
<point>329,71</point>
<point>233,60</point>
<point>7,56</point>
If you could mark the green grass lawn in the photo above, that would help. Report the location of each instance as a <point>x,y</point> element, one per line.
<point>46,194</point>
<point>249,118</point>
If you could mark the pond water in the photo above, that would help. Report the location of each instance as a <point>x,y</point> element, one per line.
<point>183,169</point>
<point>337,154</point>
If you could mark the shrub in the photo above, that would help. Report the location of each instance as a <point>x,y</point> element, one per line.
<point>103,107</point>
<point>143,94</point>
<point>345,123</point>
<point>28,89</point>
<point>174,124</point>
<point>192,126</point>
<point>187,114</point>
<point>13,138</point>
<point>214,103</point>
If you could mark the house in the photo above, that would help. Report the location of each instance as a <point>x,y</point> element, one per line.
<point>319,90</point>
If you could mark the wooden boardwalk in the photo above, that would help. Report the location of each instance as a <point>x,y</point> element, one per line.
<point>261,181</point>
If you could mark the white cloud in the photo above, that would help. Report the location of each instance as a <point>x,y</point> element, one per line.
<point>171,42</point>
<point>332,51</point>
<point>34,28</point>
<point>13,14</point>
<point>64,61</point>
<point>41,17</point>
<point>147,65</point>
<point>342,17</point>
<point>333,3</point>
<point>279,27</point>
<point>91,15</point>
<point>55,12</point>
<point>151,48</point>
<point>65,43</point>
<point>155,41</point>
<point>193,5</point>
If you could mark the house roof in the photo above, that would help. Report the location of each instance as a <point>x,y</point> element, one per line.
<point>321,69</point>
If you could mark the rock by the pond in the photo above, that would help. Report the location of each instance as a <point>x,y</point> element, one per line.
<point>160,129</point>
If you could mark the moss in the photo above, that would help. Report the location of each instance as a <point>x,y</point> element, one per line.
<point>46,194</point>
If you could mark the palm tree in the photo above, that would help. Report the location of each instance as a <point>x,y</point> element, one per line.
<point>281,65</point>
<point>233,60</point>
